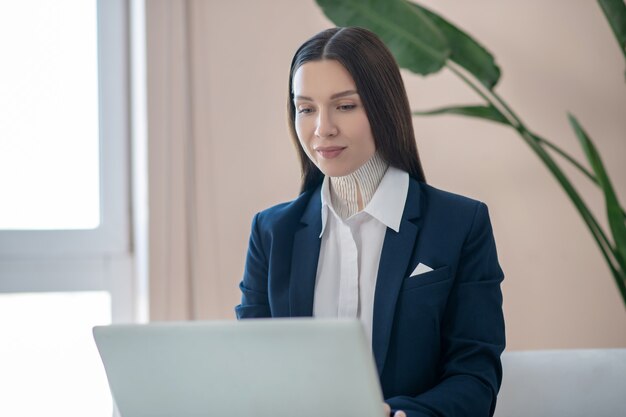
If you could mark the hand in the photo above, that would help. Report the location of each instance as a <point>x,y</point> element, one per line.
<point>396,414</point>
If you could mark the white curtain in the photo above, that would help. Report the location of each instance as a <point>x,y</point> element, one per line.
<point>182,263</point>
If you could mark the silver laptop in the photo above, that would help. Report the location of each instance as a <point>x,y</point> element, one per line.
<point>251,368</point>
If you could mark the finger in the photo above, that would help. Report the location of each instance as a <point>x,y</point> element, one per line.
<point>387,408</point>
<point>399,414</point>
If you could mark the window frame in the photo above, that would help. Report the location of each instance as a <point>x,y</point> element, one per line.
<point>112,236</point>
<point>100,259</point>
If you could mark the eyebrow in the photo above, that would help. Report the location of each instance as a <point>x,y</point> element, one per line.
<point>333,97</point>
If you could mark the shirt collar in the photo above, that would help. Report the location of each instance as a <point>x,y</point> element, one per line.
<point>387,204</point>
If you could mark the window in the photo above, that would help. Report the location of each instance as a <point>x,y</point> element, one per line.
<point>50,366</point>
<point>65,261</point>
<point>49,167</point>
<point>73,181</point>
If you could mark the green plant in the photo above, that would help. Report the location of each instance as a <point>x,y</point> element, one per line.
<point>424,43</point>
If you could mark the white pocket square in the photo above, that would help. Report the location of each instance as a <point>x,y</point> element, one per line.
<point>420,269</point>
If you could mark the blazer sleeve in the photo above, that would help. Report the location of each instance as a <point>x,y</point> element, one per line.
<point>472,334</point>
<point>254,297</point>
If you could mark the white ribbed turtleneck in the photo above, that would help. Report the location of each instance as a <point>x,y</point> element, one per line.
<point>344,191</point>
<point>350,250</point>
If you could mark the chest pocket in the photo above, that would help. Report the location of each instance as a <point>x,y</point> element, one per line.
<point>437,276</point>
<point>423,298</point>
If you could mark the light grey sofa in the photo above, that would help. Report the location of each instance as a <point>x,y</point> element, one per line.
<point>563,383</point>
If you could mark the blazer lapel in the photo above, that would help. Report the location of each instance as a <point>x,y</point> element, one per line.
<point>394,262</point>
<point>305,254</point>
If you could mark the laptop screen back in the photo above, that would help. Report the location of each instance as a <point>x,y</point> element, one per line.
<point>261,368</point>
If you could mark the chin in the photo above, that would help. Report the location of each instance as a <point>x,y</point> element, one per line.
<point>336,171</point>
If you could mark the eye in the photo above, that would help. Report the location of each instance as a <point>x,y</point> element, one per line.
<point>346,107</point>
<point>304,110</point>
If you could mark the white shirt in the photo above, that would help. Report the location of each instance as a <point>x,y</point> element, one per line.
<point>350,250</point>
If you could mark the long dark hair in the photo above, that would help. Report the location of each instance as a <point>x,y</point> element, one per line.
<point>380,87</point>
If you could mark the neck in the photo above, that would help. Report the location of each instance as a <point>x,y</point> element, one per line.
<point>351,193</point>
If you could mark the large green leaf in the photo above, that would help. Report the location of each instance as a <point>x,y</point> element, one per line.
<point>466,52</point>
<point>614,210</point>
<point>481,112</point>
<point>615,12</point>
<point>416,42</point>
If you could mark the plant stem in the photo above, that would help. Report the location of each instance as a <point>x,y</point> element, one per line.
<point>477,87</point>
<point>535,142</point>
<point>567,157</point>
<point>610,255</point>
<point>514,121</point>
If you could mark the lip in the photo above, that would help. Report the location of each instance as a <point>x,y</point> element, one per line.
<point>329,152</point>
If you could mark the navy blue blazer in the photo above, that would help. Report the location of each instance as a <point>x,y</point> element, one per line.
<point>437,337</point>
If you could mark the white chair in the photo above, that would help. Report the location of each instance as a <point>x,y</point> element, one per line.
<point>563,383</point>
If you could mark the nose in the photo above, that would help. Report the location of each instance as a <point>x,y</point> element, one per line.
<point>325,125</point>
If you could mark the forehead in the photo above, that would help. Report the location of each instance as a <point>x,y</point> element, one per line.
<point>321,79</point>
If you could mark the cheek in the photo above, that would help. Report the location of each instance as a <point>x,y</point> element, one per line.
<point>298,131</point>
<point>371,143</point>
<point>302,139</point>
<point>303,133</point>
<point>365,133</point>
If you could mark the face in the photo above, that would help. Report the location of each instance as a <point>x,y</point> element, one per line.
<point>330,120</point>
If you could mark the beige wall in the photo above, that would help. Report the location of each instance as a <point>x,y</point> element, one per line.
<point>555,56</point>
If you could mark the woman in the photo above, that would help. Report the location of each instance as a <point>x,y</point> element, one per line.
<point>367,237</point>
